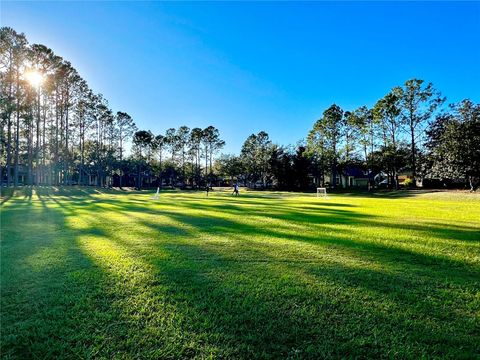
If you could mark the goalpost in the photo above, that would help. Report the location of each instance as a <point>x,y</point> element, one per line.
<point>157,194</point>
<point>322,192</point>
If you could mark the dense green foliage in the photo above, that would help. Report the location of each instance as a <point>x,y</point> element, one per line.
<point>56,130</point>
<point>380,142</point>
<point>107,274</point>
<point>454,144</point>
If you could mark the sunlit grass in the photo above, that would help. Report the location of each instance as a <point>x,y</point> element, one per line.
<point>90,273</point>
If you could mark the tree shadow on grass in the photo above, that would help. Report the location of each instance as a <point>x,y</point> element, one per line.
<point>340,238</point>
<point>6,194</point>
<point>418,285</point>
<point>56,301</point>
<point>388,194</point>
<point>33,257</point>
<point>212,218</point>
<point>269,308</point>
<point>184,293</point>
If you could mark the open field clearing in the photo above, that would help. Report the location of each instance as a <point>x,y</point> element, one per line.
<point>91,273</point>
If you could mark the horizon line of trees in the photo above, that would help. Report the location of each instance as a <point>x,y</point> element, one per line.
<point>57,131</point>
<point>176,158</point>
<point>408,130</point>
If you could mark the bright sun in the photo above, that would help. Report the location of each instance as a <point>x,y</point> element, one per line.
<point>34,78</point>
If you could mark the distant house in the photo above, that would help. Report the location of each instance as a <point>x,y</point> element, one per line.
<point>350,177</point>
<point>22,174</point>
<point>354,177</point>
<point>404,175</point>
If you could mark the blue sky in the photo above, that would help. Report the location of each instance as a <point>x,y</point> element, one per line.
<point>246,67</point>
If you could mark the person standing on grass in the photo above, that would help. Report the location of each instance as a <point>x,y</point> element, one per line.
<point>207,189</point>
<point>235,189</point>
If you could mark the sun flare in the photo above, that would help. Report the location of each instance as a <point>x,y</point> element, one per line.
<point>35,78</point>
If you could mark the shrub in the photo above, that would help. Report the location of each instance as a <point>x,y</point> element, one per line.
<point>408,183</point>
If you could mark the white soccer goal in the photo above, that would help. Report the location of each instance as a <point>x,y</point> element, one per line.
<point>322,192</point>
<point>157,194</point>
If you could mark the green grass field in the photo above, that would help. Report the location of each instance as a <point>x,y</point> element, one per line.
<point>109,274</point>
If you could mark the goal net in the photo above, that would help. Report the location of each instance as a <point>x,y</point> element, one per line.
<point>322,192</point>
<point>157,194</point>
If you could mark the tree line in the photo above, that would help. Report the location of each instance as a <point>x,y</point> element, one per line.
<point>409,130</point>
<point>175,159</point>
<point>56,130</point>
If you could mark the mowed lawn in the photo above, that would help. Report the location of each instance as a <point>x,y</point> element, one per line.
<point>91,273</point>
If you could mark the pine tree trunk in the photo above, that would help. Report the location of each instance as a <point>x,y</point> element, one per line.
<point>30,153</point>
<point>160,164</point>
<point>65,152</point>
<point>17,147</point>
<point>37,142</point>
<point>17,133</point>
<point>44,150</point>
<point>9,151</point>
<point>334,167</point>
<point>414,165</point>
<point>206,164</point>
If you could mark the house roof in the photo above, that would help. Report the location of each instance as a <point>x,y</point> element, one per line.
<point>354,171</point>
